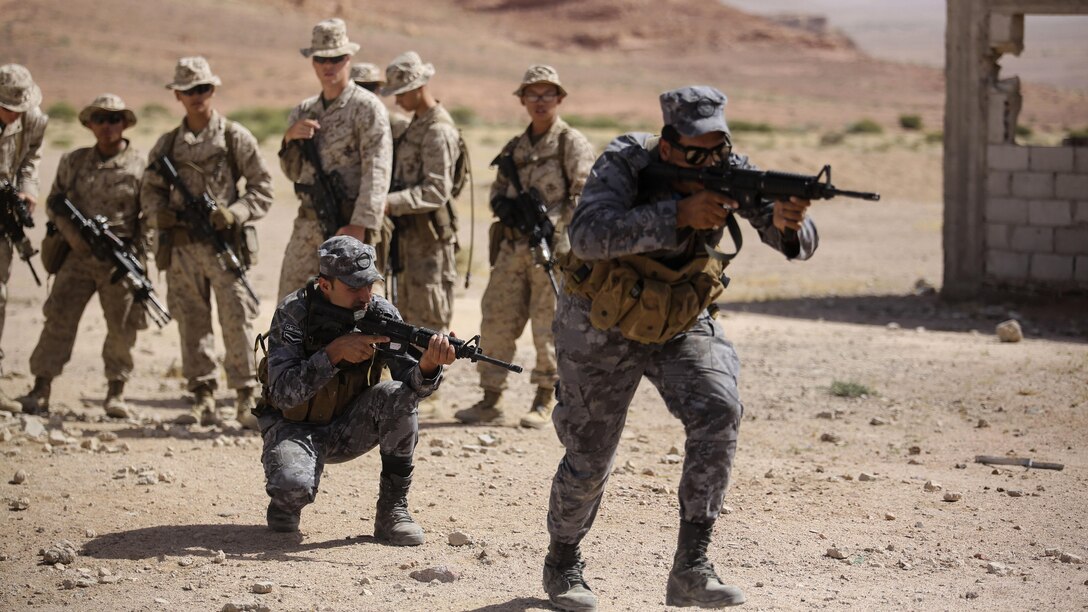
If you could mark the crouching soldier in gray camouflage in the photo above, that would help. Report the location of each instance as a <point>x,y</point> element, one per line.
<point>626,234</point>
<point>324,402</point>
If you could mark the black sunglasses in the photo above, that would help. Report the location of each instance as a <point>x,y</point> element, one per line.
<point>330,60</point>
<point>696,156</point>
<point>199,90</point>
<point>110,118</point>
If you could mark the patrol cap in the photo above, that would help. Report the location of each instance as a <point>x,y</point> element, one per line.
<point>330,39</point>
<point>18,93</point>
<point>349,261</point>
<point>405,73</point>
<point>110,103</point>
<point>540,73</point>
<point>193,71</point>
<point>365,72</point>
<point>694,110</point>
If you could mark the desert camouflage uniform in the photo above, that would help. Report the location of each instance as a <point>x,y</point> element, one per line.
<point>384,415</point>
<point>19,156</point>
<point>111,188</point>
<point>519,290</point>
<point>354,140</point>
<point>201,161</point>
<point>425,157</point>
<point>695,372</point>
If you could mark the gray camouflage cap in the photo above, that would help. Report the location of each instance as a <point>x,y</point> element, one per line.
<point>330,39</point>
<point>192,71</point>
<point>694,110</point>
<point>365,72</point>
<point>540,73</point>
<point>349,261</point>
<point>18,93</point>
<point>110,103</point>
<point>405,73</point>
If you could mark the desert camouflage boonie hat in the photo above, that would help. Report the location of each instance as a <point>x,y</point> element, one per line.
<point>365,72</point>
<point>694,110</point>
<point>109,103</point>
<point>405,73</point>
<point>18,93</point>
<point>192,71</point>
<point>349,261</point>
<point>330,39</point>
<point>540,73</point>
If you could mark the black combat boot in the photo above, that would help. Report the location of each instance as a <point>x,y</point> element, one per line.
<point>392,522</point>
<point>37,401</point>
<point>282,520</point>
<point>563,581</point>
<point>692,581</point>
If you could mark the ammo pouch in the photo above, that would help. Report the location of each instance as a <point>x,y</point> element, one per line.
<point>54,249</point>
<point>332,400</point>
<point>647,301</point>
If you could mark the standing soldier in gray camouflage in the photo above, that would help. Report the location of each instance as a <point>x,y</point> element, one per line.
<point>99,180</point>
<point>22,128</point>
<point>211,154</point>
<point>325,401</point>
<point>623,236</point>
<point>350,126</point>
<point>419,200</point>
<point>554,159</point>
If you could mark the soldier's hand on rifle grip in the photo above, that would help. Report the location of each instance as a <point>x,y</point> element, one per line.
<point>439,352</point>
<point>222,218</point>
<point>31,202</point>
<point>303,129</point>
<point>790,214</point>
<point>353,348</point>
<point>704,210</point>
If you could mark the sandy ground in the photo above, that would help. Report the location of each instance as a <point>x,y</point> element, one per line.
<point>813,472</point>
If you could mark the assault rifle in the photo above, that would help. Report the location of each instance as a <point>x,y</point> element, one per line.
<point>326,193</point>
<point>106,246</point>
<point>197,215</point>
<point>329,321</point>
<point>14,216</point>
<point>528,214</point>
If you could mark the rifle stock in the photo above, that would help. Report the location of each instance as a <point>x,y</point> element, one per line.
<point>14,216</point>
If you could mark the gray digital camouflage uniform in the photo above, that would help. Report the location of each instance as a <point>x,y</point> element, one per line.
<point>425,156</point>
<point>111,188</point>
<point>695,372</point>
<point>194,271</point>
<point>354,141</point>
<point>518,290</point>
<point>19,155</point>
<point>384,415</point>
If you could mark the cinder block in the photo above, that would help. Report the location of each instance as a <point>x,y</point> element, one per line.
<point>1051,213</point>
<point>1071,240</point>
<point>1051,159</point>
<point>1007,210</point>
<point>1072,186</point>
<point>998,183</point>
<point>1080,156</point>
<point>1080,212</point>
<point>1033,239</point>
<point>1052,268</point>
<point>997,236</point>
<point>1008,157</point>
<point>1007,265</point>
<point>1035,185</point>
<point>1080,270</point>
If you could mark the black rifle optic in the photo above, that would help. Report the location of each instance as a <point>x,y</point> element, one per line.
<point>528,214</point>
<point>108,247</point>
<point>329,321</point>
<point>197,215</point>
<point>14,216</point>
<point>327,192</point>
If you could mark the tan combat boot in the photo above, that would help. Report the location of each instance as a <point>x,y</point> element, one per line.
<point>9,405</point>
<point>244,404</point>
<point>484,411</point>
<point>115,401</point>
<point>203,409</point>
<point>540,413</point>
<point>393,523</point>
<point>37,400</point>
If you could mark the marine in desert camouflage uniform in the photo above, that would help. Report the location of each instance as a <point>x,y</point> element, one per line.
<point>554,159</point>
<point>100,180</point>
<point>351,129</point>
<point>694,371</point>
<point>327,403</point>
<point>22,128</point>
<point>211,154</point>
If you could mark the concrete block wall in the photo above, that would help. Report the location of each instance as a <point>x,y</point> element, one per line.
<point>1036,215</point>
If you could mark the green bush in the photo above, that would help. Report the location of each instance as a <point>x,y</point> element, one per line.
<point>1024,131</point>
<point>1078,133</point>
<point>464,116</point>
<point>739,125</point>
<point>263,121</point>
<point>831,139</point>
<point>63,141</point>
<point>910,122</point>
<point>934,137</point>
<point>865,126</point>
<point>154,110</point>
<point>62,111</point>
<point>841,388</point>
<point>602,122</point>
